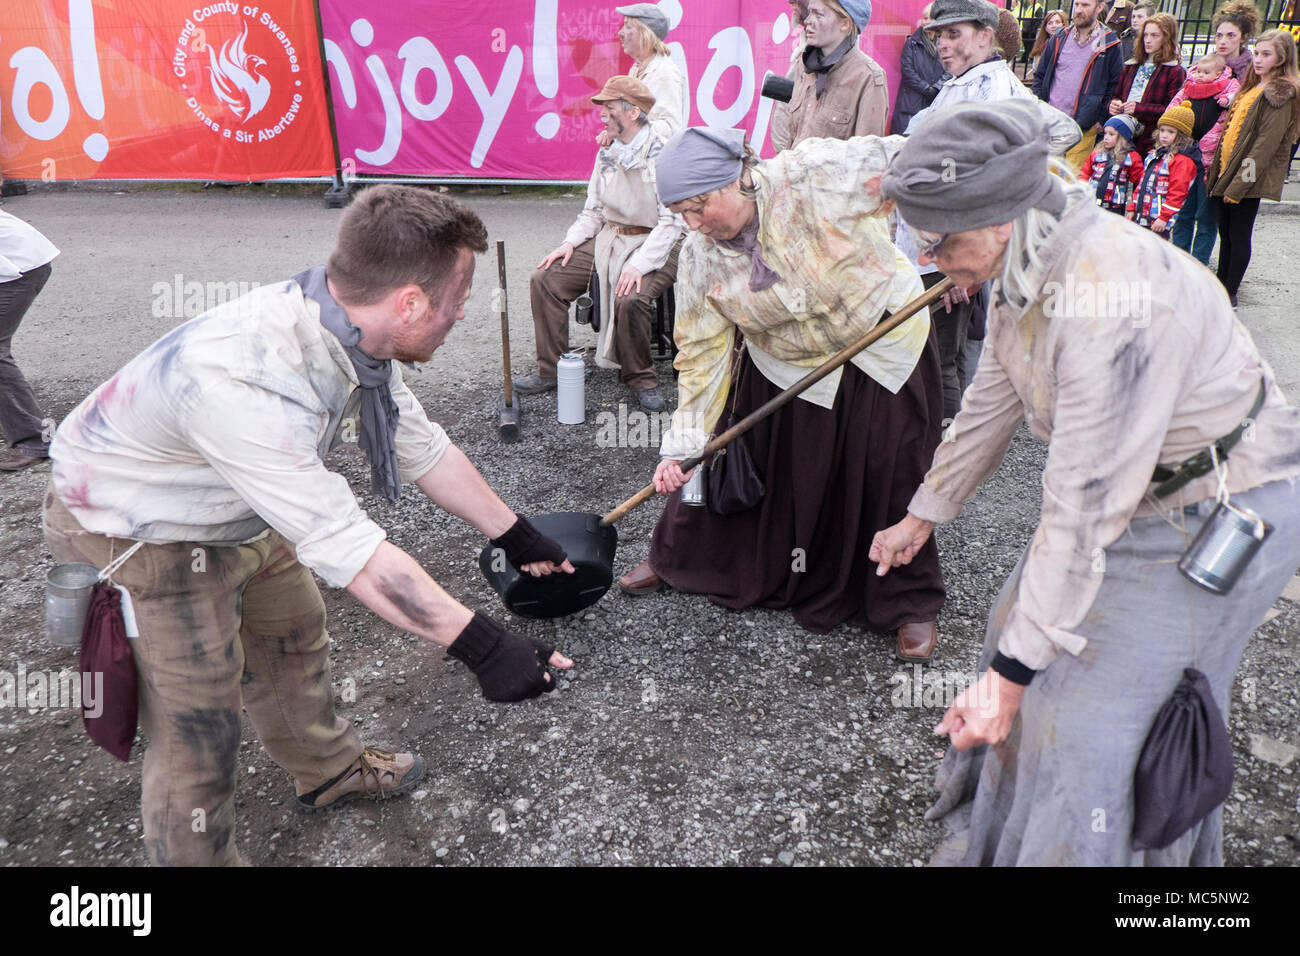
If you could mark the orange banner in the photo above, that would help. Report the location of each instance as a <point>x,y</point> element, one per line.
<point>161,89</point>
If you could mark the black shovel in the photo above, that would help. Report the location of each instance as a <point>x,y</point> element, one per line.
<point>591,540</point>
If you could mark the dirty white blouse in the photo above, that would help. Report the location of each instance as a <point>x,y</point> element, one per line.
<point>217,430</point>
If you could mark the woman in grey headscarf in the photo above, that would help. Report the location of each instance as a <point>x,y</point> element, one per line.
<point>789,261</point>
<point>1128,362</point>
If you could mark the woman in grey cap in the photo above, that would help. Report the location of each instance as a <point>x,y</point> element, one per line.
<point>1128,362</point>
<point>642,34</point>
<point>789,261</point>
<point>839,91</point>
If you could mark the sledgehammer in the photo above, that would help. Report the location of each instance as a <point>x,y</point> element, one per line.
<point>509,407</point>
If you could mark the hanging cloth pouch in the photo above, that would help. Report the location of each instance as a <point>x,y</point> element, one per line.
<point>735,484</point>
<point>1185,769</point>
<point>106,651</point>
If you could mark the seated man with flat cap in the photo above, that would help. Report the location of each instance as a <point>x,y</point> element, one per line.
<point>626,239</point>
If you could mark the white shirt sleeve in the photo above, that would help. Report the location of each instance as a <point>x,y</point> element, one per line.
<point>420,442</point>
<point>592,218</point>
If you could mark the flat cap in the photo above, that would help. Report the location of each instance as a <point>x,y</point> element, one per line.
<point>649,14</point>
<point>973,165</point>
<point>626,88</point>
<point>947,12</point>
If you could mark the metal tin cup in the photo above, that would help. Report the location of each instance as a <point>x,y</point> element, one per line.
<point>582,308</point>
<point>1221,550</point>
<point>693,492</point>
<point>67,600</point>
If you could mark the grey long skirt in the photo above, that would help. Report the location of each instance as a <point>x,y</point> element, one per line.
<point>1059,789</point>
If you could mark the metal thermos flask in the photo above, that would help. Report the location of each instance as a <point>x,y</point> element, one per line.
<point>1219,553</point>
<point>570,385</point>
<point>693,492</point>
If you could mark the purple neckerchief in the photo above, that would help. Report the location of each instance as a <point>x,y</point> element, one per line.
<point>761,275</point>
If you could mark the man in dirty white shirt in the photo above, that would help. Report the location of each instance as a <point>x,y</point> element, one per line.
<point>208,448</point>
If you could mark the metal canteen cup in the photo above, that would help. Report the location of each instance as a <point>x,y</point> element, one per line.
<point>1221,550</point>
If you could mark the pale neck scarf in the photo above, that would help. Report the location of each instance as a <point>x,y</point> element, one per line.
<point>626,153</point>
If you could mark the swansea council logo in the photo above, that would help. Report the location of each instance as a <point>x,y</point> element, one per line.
<point>239,71</point>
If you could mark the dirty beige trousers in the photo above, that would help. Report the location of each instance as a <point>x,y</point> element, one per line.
<point>219,626</point>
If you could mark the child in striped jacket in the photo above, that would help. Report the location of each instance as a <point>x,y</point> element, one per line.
<point>1115,167</point>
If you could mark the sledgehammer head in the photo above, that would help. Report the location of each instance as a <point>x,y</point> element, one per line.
<point>509,419</point>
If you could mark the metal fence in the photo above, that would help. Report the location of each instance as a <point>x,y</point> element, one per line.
<point>1195,36</point>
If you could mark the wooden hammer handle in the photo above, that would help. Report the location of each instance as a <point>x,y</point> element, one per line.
<point>505,319</point>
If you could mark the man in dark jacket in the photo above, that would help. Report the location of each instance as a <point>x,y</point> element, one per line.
<point>923,74</point>
<point>1078,73</point>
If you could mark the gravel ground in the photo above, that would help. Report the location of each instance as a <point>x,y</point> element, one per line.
<point>685,734</point>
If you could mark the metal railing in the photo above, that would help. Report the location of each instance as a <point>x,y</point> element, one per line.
<point>1195,32</point>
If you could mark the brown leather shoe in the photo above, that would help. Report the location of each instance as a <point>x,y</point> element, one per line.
<point>916,642</point>
<point>641,580</point>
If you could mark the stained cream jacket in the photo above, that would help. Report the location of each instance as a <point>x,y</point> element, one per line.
<point>1128,357</point>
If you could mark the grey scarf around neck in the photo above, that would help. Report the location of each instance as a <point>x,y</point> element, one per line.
<point>814,61</point>
<point>379,412</point>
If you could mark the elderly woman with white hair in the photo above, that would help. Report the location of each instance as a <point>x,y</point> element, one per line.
<point>642,34</point>
<point>789,261</point>
<point>1159,416</point>
<point>839,91</point>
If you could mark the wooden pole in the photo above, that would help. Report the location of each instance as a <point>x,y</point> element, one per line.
<point>929,297</point>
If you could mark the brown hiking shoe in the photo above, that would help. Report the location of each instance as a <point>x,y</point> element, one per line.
<point>375,774</point>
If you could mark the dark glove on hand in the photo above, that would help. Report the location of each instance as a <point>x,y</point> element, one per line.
<point>508,666</point>
<point>524,544</point>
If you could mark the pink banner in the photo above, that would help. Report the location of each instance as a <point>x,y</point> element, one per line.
<point>445,88</point>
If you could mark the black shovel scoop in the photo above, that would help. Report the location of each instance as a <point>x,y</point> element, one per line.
<point>591,540</point>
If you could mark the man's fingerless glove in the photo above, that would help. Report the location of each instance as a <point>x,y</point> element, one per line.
<point>508,666</point>
<point>524,544</point>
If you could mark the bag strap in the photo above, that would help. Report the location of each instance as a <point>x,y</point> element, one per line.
<point>738,352</point>
<point>116,563</point>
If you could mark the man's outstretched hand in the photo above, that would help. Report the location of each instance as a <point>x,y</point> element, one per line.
<point>899,544</point>
<point>509,667</point>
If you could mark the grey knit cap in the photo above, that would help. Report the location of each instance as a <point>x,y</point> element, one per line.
<point>649,14</point>
<point>973,165</point>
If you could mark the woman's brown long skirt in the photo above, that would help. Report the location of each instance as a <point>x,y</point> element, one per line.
<point>834,478</point>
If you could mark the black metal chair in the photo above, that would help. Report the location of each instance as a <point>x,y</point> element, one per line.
<point>662,344</point>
